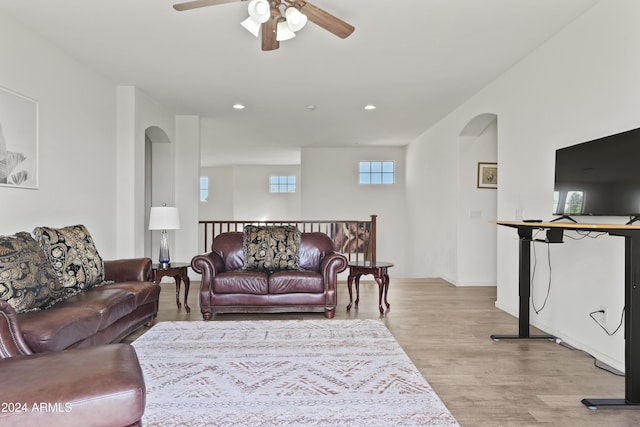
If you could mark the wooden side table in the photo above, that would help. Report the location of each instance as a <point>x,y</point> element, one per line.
<point>379,271</point>
<point>178,271</point>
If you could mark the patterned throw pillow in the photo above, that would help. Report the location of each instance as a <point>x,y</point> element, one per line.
<point>73,256</point>
<point>271,248</point>
<point>27,281</point>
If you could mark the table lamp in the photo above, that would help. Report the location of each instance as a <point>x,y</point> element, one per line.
<point>164,218</point>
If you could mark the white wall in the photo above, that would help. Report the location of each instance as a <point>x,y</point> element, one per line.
<point>330,190</point>
<point>477,237</point>
<point>91,150</point>
<point>581,85</point>
<point>252,199</point>
<point>221,193</point>
<point>136,113</point>
<point>77,153</point>
<point>187,178</point>
<point>242,193</point>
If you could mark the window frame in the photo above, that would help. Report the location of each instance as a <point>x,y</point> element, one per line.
<point>204,189</point>
<point>376,172</point>
<point>284,184</point>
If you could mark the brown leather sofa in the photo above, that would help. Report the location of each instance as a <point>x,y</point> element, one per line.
<point>227,288</point>
<point>95,386</point>
<point>100,315</point>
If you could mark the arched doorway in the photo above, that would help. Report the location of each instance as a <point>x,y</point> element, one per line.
<point>158,187</point>
<point>478,205</point>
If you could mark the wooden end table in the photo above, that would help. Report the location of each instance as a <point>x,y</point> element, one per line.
<point>177,270</point>
<point>379,271</point>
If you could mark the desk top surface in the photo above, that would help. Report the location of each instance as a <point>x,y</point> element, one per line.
<point>568,225</point>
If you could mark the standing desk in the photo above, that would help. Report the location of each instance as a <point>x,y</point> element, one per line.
<point>631,235</point>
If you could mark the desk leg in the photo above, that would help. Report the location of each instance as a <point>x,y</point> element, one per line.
<point>632,330</point>
<point>524,284</point>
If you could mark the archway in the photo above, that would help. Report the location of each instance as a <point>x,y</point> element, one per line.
<point>158,179</point>
<point>478,205</point>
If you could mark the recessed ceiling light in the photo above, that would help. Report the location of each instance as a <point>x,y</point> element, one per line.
<point>311,107</point>
<point>239,106</point>
<point>370,107</point>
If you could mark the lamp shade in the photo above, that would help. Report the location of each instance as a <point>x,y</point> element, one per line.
<point>283,32</point>
<point>164,218</point>
<point>259,10</point>
<point>295,19</point>
<point>252,26</point>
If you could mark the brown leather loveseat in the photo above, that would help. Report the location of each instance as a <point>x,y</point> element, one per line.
<point>228,286</point>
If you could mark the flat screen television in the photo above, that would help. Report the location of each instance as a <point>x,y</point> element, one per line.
<point>599,177</point>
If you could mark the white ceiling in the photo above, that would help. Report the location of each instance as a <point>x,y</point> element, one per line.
<point>417,60</point>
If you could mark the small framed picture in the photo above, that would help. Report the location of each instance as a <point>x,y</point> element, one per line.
<point>487,175</point>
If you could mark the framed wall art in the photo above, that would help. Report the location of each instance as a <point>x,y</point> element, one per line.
<point>18,140</point>
<point>487,175</point>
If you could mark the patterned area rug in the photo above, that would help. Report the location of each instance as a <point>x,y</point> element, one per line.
<point>283,373</point>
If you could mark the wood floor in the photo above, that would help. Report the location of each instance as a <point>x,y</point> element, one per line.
<point>445,331</point>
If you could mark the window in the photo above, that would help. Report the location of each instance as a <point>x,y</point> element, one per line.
<point>282,184</point>
<point>204,188</point>
<point>377,172</point>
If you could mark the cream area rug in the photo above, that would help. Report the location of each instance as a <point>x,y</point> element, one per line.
<point>283,373</point>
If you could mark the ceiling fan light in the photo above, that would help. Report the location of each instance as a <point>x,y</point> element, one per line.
<point>259,10</point>
<point>295,19</point>
<point>252,26</point>
<point>283,32</point>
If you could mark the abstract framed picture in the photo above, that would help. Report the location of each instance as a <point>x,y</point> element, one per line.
<point>18,140</point>
<point>487,175</point>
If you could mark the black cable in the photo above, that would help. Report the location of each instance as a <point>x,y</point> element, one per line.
<point>533,275</point>
<point>604,328</point>
<point>583,234</point>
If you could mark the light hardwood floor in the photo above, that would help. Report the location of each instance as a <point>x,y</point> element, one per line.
<point>445,331</point>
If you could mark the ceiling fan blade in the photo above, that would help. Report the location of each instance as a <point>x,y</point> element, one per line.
<point>269,41</point>
<point>201,3</point>
<point>326,20</point>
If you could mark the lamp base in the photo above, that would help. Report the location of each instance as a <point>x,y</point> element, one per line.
<point>163,257</point>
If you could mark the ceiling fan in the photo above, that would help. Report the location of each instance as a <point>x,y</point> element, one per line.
<point>279,19</point>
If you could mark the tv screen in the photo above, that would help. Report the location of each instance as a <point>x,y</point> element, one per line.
<point>599,177</point>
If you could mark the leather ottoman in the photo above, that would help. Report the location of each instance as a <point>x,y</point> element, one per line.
<point>96,386</point>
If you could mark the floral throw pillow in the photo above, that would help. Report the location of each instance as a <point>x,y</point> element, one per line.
<point>27,281</point>
<point>271,248</point>
<point>73,256</point>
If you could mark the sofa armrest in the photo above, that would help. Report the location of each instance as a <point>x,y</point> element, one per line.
<point>130,269</point>
<point>208,265</point>
<point>330,266</point>
<point>11,341</point>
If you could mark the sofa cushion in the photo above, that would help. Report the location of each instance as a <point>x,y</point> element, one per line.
<point>143,292</point>
<point>73,255</point>
<point>27,281</point>
<point>271,248</point>
<point>75,319</point>
<point>241,282</point>
<point>290,282</point>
